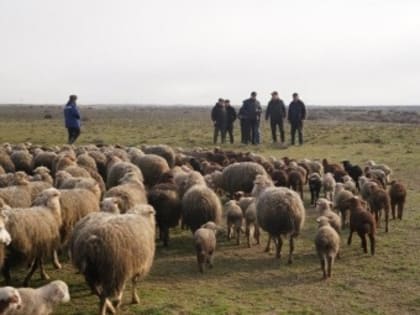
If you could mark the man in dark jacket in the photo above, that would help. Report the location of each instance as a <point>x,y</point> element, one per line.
<point>296,116</point>
<point>231,117</point>
<point>72,119</point>
<point>276,111</point>
<point>243,124</point>
<point>219,118</point>
<point>252,111</point>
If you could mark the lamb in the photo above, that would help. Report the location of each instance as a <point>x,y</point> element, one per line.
<point>355,171</point>
<point>324,208</point>
<point>252,229</point>
<point>99,251</point>
<point>34,232</point>
<point>328,183</point>
<point>130,192</point>
<point>234,218</point>
<point>205,244</point>
<point>200,204</point>
<point>378,200</point>
<point>340,201</point>
<point>43,300</point>
<point>162,150</point>
<point>164,197</point>
<point>152,167</point>
<point>10,300</point>
<point>397,194</point>
<point>280,212</point>
<point>22,160</point>
<point>243,201</point>
<point>315,184</point>
<point>366,185</point>
<point>362,222</point>
<point>327,243</point>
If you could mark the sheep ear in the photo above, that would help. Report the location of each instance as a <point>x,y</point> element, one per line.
<point>318,219</point>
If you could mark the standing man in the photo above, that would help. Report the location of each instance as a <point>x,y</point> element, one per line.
<point>296,116</point>
<point>252,112</point>
<point>72,119</point>
<point>276,111</point>
<point>231,117</point>
<point>219,118</point>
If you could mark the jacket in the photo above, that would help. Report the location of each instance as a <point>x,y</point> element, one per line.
<point>231,115</point>
<point>219,115</point>
<point>252,109</point>
<point>71,115</point>
<point>297,112</point>
<point>275,110</point>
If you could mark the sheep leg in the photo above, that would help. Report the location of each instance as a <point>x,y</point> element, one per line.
<point>56,261</point>
<point>267,248</point>
<point>386,218</point>
<point>372,243</point>
<point>249,233</point>
<point>400,210</point>
<point>165,235</point>
<point>364,242</point>
<point>44,275</point>
<point>291,249</point>
<point>301,191</point>
<point>330,262</point>
<point>324,271</point>
<point>31,272</point>
<point>393,210</point>
<point>200,261</point>
<point>134,297</point>
<point>104,305</point>
<point>210,260</point>
<point>350,236</point>
<point>278,242</point>
<point>6,273</point>
<point>229,230</point>
<point>257,233</point>
<point>238,236</point>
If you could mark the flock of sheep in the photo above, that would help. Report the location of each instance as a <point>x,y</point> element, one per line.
<point>100,205</point>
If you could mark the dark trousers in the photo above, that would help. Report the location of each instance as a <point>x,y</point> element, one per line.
<point>229,130</point>
<point>251,131</point>
<point>296,126</point>
<point>73,134</point>
<point>243,131</point>
<point>274,124</point>
<point>222,131</point>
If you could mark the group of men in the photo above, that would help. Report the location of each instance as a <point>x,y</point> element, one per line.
<point>223,116</point>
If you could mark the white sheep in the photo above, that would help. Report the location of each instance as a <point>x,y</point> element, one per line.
<point>205,244</point>
<point>327,243</point>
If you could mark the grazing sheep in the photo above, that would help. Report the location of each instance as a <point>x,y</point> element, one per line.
<point>22,160</point>
<point>99,250</point>
<point>355,171</point>
<point>43,300</point>
<point>324,209</point>
<point>240,176</point>
<point>130,192</point>
<point>378,200</point>
<point>383,167</point>
<point>397,194</point>
<point>41,173</point>
<point>315,184</point>
<point>164,197</point>
<point>200,204</point>
<point>6,162</point>
<point>280,178</point>
<point>152,167</point>
<point>19,194</point>
<point>34,232</point>
<point>296,181</point>
<point>280,212</point>
<point>362,222</point>
<point>162,150</point>
<point>186,180</point>
<point>327,243</point>
<point>349,184</point>
<point>43,158</point>
<point>10,300</point>
<point>205,244</point>
<point>377,175</point>
<point>340,202</point>
<point>117,171</point>
<point>252,229</point>
<point>328,183</point>
<point>234,218</point>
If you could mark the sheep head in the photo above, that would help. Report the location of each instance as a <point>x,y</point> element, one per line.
<point>322,221</point>
<point>323,205</point>
<point>56,292</point>
<point>9,300</point>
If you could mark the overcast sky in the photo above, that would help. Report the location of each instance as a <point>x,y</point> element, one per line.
<point>360,52</point>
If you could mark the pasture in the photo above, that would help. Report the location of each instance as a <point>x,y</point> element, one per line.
<point>247,280</point>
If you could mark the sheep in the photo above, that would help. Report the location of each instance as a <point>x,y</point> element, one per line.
<point>117,171</point>
<point>315,184</point>
<point>18,195</point>
<point>243,201</point>
<point>205,244</point>
<point>6,179</point>
<point>280,212</point>
<point>252,229</point>
<point>42,173</point>
<point>349,184</point>
<point>2,171</point>
<point>43,158</point>
<point>100,161</point>
<point>280,178</point>
<point>22,160</point>
<point>324,208</point>
<point>296,181</point>
<point>10,300</point>
<point>42,300</point>
<point>397,194</point>
<point>86,161</point>
<point>234,218</point>
<point>200,204</point>
<point>5,238</point>
<point>336,169</point>
<point>355,171</point>
<point>362,222</point>
<point>34,232</point>
<point>240,176</point>
<point>383,167</point>
<point>328,183</point>
<point>186,180</point>
<point>99,251</point>
<point>162,150</point>
<point>6,162</point>
<point>152,167</point>
<point>340,201</point>
<point>110,205</point>
<point>130,192</point>
<point>378,200</point>
<point>312,166</point>
<point>366,185</point>
<point>327,243</point>
<point>164,197</point>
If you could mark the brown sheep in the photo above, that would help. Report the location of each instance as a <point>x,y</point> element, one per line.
<point>296,181</point>
<point>378,200</point>
<point>397,194</point>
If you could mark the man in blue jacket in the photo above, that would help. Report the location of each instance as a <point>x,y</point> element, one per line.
<point>296,116</point>
<point>72,119</point>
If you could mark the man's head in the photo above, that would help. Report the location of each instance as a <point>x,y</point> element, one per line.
<point>73,97</point>
<point>254,95</point>
<point>227,102</point>
<point>275,95</point>
<point>221,101</point>
<point>295,96</point>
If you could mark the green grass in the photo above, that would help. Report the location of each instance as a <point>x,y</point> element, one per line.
<point>248,281</point>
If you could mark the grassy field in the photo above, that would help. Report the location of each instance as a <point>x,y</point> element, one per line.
<point>248,281</point>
